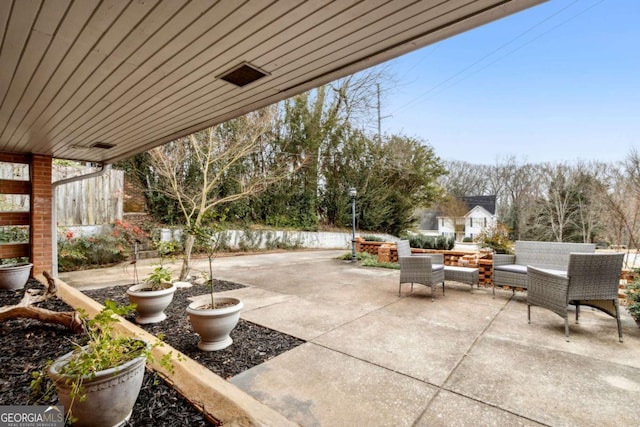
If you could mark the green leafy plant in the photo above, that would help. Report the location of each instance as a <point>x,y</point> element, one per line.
<point>14,261</point>
<point>168,248</point>
<point>14,234</point>
<point>632,293</point>
<point>373,262</point>
<point>104,349</point>
<point>360,256</point>
<point>369,260</point>
<point>160,275</point>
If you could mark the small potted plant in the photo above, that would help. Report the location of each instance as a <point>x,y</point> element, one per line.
<point>98,383</point>
<point>632,293</point>
<point>153,296</point>
<point>213,318</point>
<point>14,273</point>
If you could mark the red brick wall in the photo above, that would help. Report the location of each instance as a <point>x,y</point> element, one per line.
<point>15,187</point>
<point>14,158</point>
<point>14,250</point>
<point>41,205</point>
<point>14,218</point>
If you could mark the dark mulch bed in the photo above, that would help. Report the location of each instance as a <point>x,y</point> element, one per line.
<point>252,344</point>
<point>27,345</point>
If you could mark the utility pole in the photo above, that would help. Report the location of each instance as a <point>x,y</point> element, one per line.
<point>379,116</point>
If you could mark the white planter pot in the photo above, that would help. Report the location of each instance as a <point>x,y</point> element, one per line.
<point>214,325</point>
<point>14,276</point>
<point>111,394</point>
<point>150,305</point>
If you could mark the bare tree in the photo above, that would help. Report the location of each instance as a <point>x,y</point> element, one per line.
<point>456,209</point>
<point>557,209</point>
<point>623,203</point>
<point>219,165</point>
<point>466,179</point>
<point>592,185</point>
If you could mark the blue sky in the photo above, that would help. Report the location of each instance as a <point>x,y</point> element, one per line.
<point>557,82</point>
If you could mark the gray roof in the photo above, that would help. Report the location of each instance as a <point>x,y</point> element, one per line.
<point>487,202</point>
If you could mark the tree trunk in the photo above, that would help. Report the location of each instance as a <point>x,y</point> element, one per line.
<point>186,261</point>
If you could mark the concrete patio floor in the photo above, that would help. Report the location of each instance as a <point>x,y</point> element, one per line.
<point>376,359</point>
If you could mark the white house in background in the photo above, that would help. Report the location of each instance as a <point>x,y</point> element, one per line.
<point>482,215</point>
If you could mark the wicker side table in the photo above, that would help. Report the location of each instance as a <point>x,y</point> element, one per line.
<point>467,275</point>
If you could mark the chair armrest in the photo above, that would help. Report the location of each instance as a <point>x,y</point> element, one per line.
<point>545,287</point>
<point>503,259</point>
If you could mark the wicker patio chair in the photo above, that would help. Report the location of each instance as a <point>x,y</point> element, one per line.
<point>591,280</point>
<point>425,269</point>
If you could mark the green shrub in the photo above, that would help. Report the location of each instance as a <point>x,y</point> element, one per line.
<point>496,238</point>
<point>445,243</point>
<point>421,242</point>
<point>14,234</point>
<point>369,260</point>
<point>14,260</point>
<point>82,252</point>
<point>168,248</point>
<point>372,238</point>
<point>632,293</point>
<point>128,232</point>
<point>360,256</point>
<point>430,242</point>
<point>373,262</point>
<point>467,240</point>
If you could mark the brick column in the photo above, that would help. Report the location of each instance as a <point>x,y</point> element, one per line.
<point>384,252</point>
<point>41,214</point>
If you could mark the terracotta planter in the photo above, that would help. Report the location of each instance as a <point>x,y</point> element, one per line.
<point>150,305</point>
<point>214,325</point>
<point>14,276</point>
<point>111,394</point>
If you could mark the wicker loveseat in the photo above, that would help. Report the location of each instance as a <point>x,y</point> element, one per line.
<point>511,270</point>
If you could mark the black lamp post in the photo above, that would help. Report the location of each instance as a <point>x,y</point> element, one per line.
<point>353,193</point>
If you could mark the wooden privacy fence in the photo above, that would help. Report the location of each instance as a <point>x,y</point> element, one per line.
<point>90,201</point>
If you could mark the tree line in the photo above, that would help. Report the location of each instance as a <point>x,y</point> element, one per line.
<point>571,201</point>
<point>290,165</point>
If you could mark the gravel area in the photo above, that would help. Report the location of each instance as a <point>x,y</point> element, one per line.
<point>28,344</point>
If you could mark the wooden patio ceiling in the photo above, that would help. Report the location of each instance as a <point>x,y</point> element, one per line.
<point>101,80</point>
